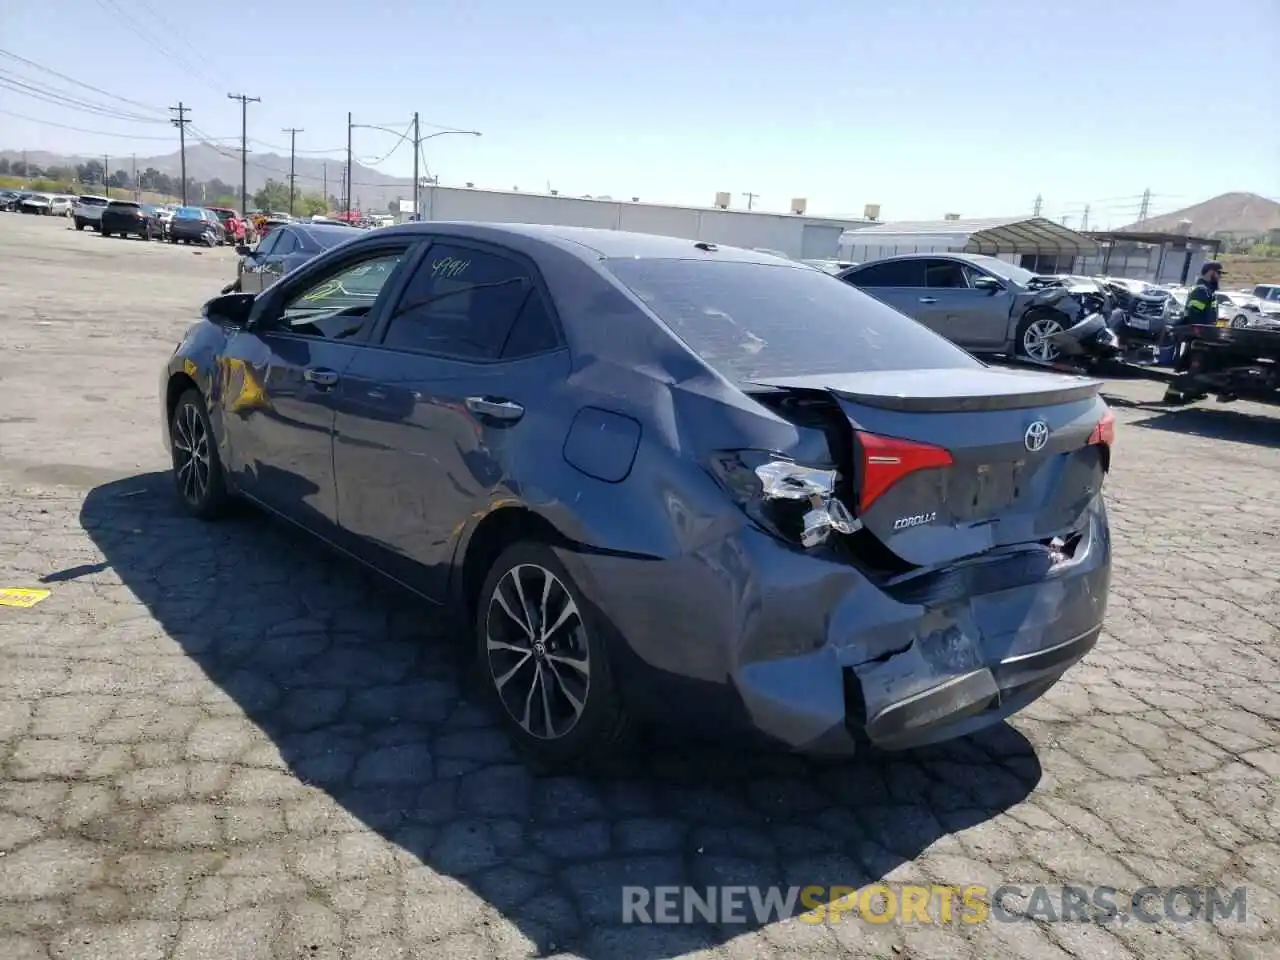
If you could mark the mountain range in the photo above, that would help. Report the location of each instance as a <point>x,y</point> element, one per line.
<point>1241,214</point>
<point>370,189</point>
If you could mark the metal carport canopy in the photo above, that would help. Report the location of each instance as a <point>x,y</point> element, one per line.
<point>991,236</point>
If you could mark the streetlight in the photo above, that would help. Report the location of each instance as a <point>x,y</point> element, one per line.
<point>417,140</point>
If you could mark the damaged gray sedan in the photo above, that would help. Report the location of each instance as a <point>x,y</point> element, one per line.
<point>663,480</point>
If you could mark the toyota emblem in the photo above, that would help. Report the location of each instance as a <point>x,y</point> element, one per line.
<point>1037,436</point>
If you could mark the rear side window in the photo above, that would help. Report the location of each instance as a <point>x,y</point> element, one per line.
<point>459,302</point>
<point>890,273</point>
<point>753,320</point>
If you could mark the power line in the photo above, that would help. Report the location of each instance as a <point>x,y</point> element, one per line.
<point>79,83</point>
<point>58,98</point>
<point>64,126</point>
<point>193,69</point>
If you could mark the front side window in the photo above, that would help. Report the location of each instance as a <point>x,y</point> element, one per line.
<point>337,306</point>
<point>286,245</point>
<point>266,245</point>
<point>945,274</point>
<point>889,273</point>
<point>460,302</point>
<point>753,320</point>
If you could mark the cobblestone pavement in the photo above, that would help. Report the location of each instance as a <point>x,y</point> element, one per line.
<point>219,743</point>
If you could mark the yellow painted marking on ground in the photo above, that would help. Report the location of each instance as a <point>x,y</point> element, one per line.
<point>21,596</point>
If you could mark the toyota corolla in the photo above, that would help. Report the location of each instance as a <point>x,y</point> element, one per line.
<point>663,480</point>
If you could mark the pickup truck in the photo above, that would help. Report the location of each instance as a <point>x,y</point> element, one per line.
<point>88,211</point>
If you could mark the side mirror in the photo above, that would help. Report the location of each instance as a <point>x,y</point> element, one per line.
<point>989,284</point>
<point>229,310</point>
<point>244,250</point>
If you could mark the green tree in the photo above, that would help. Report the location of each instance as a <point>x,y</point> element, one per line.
<point>274,195</point>
<point>310,204</point>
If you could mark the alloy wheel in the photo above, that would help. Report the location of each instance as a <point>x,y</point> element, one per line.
<point>1239,322</point>
<point>536,646</point>
<point>191,454</point>
<point>1035,340</point>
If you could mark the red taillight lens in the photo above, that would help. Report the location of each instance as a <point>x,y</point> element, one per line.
<point>1105,432</point>
<point>886,460</point>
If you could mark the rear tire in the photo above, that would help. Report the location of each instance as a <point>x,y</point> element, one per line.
<point>553,688</point>
<point>80,224</point>
<point>197,468</point>
<point>105,233</point>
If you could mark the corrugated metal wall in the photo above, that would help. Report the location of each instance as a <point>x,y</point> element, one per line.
<point>795,236</point>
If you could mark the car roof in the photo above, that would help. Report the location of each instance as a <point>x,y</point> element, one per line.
<point>592,243</point>
<point>322,231</point>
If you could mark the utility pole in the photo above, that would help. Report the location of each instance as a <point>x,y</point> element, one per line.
<point>417,146</point>
<point>1146,206</point>
<point>181,121</point>
<point>293,141</point>
<point>324,180</point>
<point>346,188</point>
<point>1035,211</point>
<point>106,176</point>
<point>244,146</point>
<point>751,198</point>
<point>1084,221</point>
<point>134,178</point>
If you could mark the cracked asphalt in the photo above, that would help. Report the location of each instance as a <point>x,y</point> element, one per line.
<point>217,742</point>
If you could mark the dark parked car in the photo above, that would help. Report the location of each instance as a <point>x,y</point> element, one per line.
<point>286,248</point>
<point>37,203</point>
<point>196,225</point>
<point>980,303</point>
<point>125,218</point>
<point>663,480</point>
<point>9,200</point>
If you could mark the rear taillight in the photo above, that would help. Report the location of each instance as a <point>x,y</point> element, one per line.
<point>1105,432</point>
<point>886,460</point>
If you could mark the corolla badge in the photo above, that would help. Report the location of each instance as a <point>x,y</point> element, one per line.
<point>1036,437</point>
<point>905,523</point>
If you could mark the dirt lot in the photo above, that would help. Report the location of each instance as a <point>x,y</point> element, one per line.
<point>217,742</point>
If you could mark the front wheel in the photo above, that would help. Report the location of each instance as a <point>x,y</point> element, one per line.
<point>543,657</point>
<point>1033,338</point>
<point>197,469</point>
<point>1239,322</point>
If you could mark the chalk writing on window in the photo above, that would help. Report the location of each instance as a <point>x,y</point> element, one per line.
<point>449,268</point>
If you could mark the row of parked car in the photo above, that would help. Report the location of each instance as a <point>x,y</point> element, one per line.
<point>987,305</point>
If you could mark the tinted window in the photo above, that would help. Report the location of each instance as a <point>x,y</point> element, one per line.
<point>889,273</point>
<point>336,306</point>
<point>944,274</point>
<point>751,320</point>
<point>1005,270</point>
<point>266,246</point>
<point>459,302</point>
<point>286,244</point>
<point>533,333</point>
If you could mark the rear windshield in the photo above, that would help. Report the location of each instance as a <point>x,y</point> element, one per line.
<point>93,201</point>
<point>123,205</point>
<point>754,320</point>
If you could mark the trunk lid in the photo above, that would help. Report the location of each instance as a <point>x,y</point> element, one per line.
<point>946,464</point>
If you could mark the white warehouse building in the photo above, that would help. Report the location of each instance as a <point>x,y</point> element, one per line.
<point>794,234</point>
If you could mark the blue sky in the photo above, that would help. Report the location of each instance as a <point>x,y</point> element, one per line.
<point>923,107</point>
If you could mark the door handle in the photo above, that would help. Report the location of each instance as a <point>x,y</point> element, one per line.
<point>928,300</point>
<point>320,377</point>
<point>507,410</point>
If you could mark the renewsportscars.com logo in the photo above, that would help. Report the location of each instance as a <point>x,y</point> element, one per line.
<point>934,904</point>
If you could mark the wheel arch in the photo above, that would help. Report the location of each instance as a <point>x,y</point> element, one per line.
<point>478,548</point>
